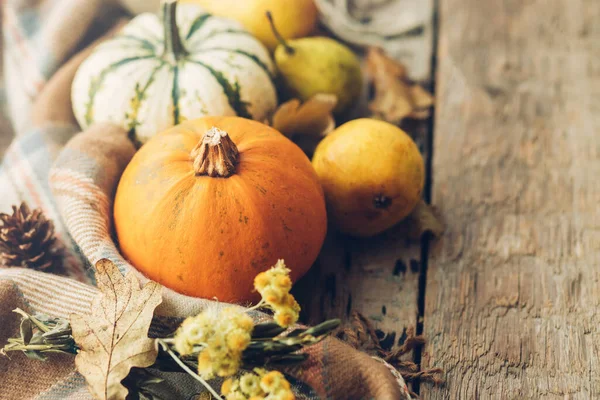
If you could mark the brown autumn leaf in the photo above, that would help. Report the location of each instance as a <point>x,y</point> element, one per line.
<point>306,123</point>
<point>422,101</point>
<point>313,117</point>
<point>396,98</point>
<point>113,338</point>
<point>423,219</point>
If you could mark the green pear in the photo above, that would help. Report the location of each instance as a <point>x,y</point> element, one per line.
<point>313,65</point>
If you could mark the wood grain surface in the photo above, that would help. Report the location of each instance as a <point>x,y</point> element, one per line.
<point>377,277</point>
<point>513,288</point>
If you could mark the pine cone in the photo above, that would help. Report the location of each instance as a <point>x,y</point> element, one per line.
<point>27,239</point>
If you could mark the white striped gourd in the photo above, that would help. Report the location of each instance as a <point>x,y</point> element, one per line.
<point>161,70</point>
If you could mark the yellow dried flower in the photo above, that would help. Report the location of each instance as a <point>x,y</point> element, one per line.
<point>291,302</point>
<point>258,385</point>
<point>279,268</point>
<point>286,395</point>
<point>246,323</point>
<point>274,286</point>
<point>260,371</point>
<point>270,277</point>
<point>228,367</point>
<point>182,345</point>
<point>205,365</point>
<point>285,317</point>
<point>235,396</point>
<point>250,385</point>
<point>221,336</point>
<point>281,395</point>
<point>196,334</point>
<point>194,331</point>
<point>238,340</point>
<point>238,319</point>
<point>261,281</point>
<point>273,296</point>
<point>271,382</point>
<point>188,334</point>
<point>217,346</point>
<point>227,386</point>
<point>206,321</point>
<point>232,318</point>
<point>283,282</point>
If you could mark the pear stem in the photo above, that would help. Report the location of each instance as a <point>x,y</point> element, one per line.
<point>215,155</point>
<point>288,49</point>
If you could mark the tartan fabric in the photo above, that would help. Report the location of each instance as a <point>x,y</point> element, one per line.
<point>72,176</point>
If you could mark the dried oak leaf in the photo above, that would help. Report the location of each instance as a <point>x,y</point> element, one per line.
<point>306,123</point>
<point>113,338</point>
<point>396,98</point>
<point>423,219</point>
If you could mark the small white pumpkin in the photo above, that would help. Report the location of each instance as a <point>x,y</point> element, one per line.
<point>160,71</point>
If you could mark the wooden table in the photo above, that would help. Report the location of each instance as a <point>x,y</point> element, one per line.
<point>508,297</point>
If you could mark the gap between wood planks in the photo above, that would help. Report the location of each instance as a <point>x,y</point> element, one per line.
<point>418,354</point>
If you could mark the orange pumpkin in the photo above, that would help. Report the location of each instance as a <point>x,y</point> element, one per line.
<point>205,206</point>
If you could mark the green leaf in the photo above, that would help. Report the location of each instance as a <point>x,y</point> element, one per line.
<point>35,355</point>
<point>26,330</point>
<point>323,328</point>
<point>266,330</point>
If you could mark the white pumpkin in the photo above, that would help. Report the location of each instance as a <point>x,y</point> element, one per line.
<point>160,71</point>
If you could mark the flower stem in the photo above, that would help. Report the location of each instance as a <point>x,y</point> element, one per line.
<point>32,347</point>
<point>37,323</point>
<point>256,307</point>
<point>187,369</point>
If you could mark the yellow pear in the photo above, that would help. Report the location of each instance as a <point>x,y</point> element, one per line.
<point>314,65</point>
<point>295,18</point>
<point>372,174</point>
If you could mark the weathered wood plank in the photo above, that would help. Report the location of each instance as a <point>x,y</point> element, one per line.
<point>513,287</point>
<point>378,277</point>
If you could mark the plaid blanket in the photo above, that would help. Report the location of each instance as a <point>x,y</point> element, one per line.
<point>72,176</point>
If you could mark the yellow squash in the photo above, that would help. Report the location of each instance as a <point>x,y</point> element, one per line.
<point>372,174</point>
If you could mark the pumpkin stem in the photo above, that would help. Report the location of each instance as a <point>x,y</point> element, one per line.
<point>288,49</point>
<point>173,45</point>
<point>215,155</point>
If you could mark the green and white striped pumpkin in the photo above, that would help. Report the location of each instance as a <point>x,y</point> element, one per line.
<point>161,70</point>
